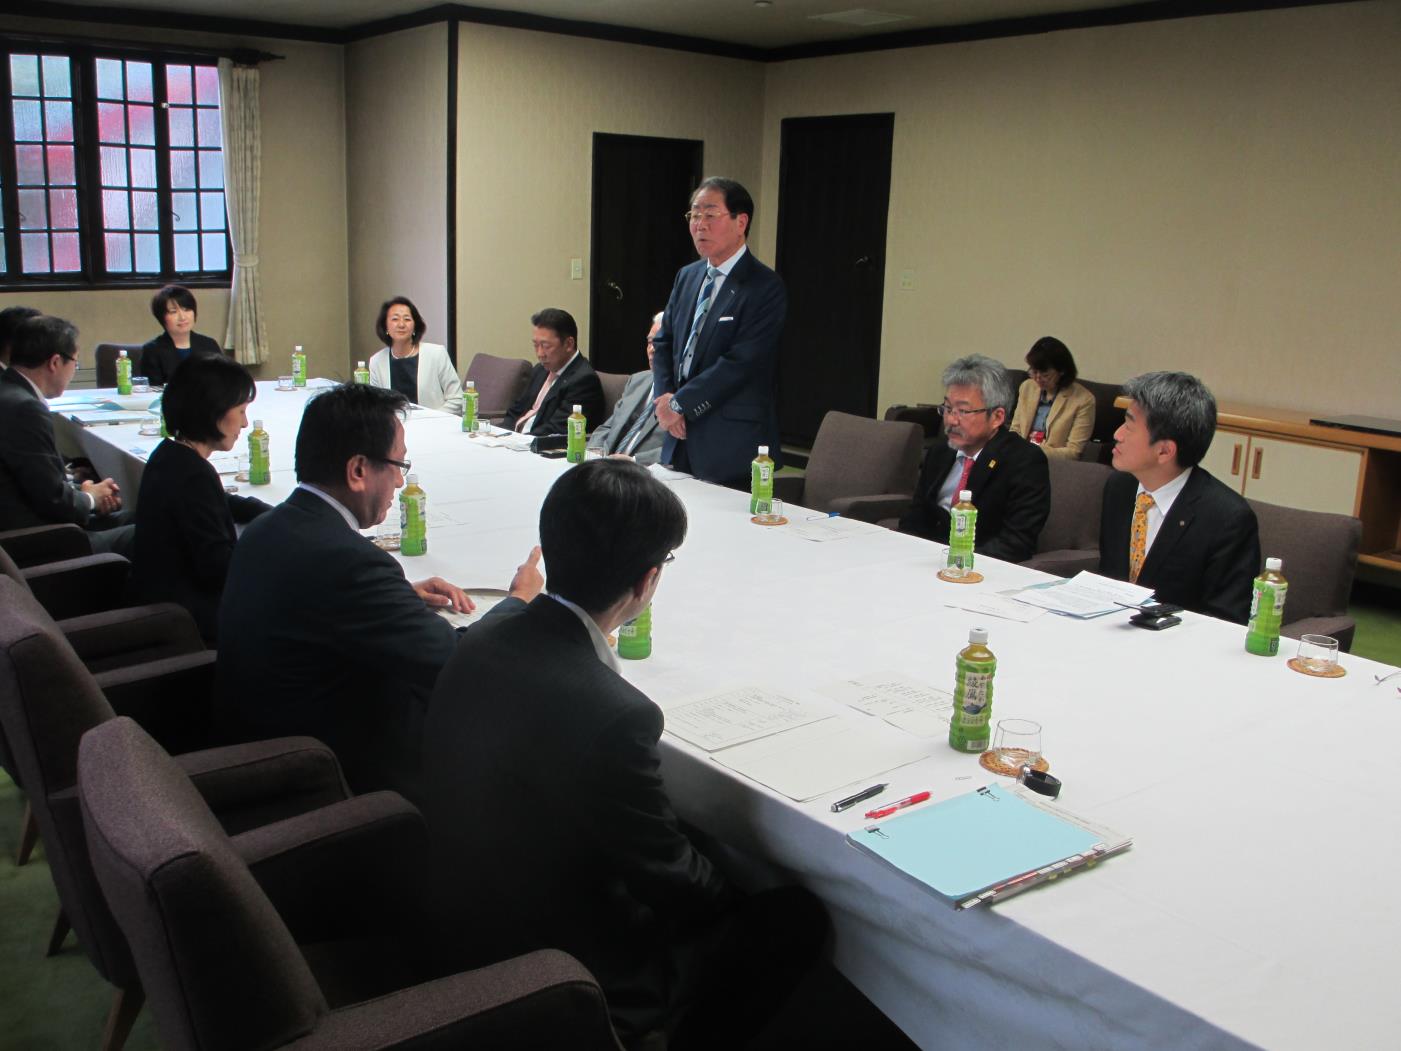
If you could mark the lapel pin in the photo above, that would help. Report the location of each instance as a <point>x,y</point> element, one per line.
<point>992,464</point>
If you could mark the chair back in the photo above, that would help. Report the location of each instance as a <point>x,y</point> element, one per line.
<point>856,456</point>
<point>1319,551</point>
<point>107,361</point>
<point>1077,494</point>
<point>219,967</point>
<point>48,700</point>
<point>927,416</point>
<point>613,384</point>
<point>499,382</point>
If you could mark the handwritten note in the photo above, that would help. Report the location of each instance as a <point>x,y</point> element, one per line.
<point>744,714</point>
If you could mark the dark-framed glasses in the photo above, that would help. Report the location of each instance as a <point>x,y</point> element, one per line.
<point>949,412</point>
<point>404,465</point>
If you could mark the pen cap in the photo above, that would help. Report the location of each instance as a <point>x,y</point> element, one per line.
<point>978,636</point>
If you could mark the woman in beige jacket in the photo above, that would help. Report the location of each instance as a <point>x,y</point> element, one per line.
<point>1053,411</point>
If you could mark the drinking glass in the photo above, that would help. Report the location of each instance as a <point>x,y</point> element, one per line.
<point>1318,654</point>
<point>1016,743</point>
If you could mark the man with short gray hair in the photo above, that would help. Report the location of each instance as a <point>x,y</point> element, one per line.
<point>1166,523</point>
<point>1007,475</point>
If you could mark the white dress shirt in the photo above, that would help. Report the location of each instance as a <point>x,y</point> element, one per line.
<point>596,636</point>
<point>1163,499</point>
<point>340,507</point>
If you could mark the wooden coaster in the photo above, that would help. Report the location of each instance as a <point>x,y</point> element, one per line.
<point>971,577</point>
<point>387,542</point>
<point>1336,672</point>
<point>757,520</point>
<point>990,760</point>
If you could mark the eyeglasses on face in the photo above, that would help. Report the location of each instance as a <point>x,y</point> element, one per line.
<point>404,465</point>
<point>949,412</point>
<point>708,215</point>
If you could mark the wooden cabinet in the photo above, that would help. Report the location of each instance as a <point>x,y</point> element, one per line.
<point>1289,472</point>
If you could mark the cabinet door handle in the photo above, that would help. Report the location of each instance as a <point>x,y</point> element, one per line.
<point>1255,471</point>
<point>1235,461</point>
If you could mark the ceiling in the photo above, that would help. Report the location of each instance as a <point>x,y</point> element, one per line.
<point>783,23</point>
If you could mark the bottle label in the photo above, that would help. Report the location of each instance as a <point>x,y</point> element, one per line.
<point>974,697</point>
<point>469,411</point>
<point>962,524</point>
<point>299,370</point>
<point>413,524</point>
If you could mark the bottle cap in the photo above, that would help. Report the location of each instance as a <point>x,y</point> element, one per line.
<point>1274,564</point>
<point>978,635</point>
<point>257,425</point>
<point>297,349</point>
<point>471,384</point>
<point>359,364</point>
<point>412,479</point>
<point>578,409</point>
<point>763,450</point>
<point>965,496</point>
<point>121,353</point>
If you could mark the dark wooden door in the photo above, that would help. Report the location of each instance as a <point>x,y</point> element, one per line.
<point>834,191</point>
<point>641,188</point>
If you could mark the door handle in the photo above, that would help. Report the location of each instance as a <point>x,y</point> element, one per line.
<point>1255,471</point>
<point>1235,461</point>
<point>612,286</point>
<point>863,262</point>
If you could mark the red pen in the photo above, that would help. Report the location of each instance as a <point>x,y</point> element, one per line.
<point>886,811</point>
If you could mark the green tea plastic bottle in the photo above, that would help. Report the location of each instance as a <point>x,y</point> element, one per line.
<point>469,406</point>
<point>963,528</point>
<point>974,669</point>
<point>362,374</point>
<point>298,367</point>
<point>123,373</point>
<point>577,428</point>
<point>635,637</point>
<point>760,481</point>
<point>413,519</point>
<point>1266,610</point>
<point>259,456</point>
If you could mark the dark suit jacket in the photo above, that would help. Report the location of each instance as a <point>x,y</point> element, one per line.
<point>1011,486</point>
<point>550,823</point>
<point>185,534</point>
<point>34,488</point>
<point>321,634</point>
<point>729,397</point>
<point>578,385</point>
<point>160,359</point>
<point>1204,557</point>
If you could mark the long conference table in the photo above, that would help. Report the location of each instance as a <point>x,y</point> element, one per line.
<point>1254,907</point>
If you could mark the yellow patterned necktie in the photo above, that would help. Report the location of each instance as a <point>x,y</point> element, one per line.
<point>1138,538</point>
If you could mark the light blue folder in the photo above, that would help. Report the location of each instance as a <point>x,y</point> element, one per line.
<point>985,845</point>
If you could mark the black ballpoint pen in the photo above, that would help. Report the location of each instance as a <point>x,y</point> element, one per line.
<point>860,797</point>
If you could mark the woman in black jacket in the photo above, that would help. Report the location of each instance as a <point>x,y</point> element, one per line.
<point>185,532</point>
<point>174,307</point>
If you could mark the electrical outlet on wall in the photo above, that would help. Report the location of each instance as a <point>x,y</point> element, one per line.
<point>576,269</point>
<point>907,280</point>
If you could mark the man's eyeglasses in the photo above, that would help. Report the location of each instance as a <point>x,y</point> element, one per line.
<point>708,216</point>
<point>670,558</point>
<point>950,413</point>
<point>403,465</point>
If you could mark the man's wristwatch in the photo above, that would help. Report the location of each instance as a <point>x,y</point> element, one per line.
<point>675,407</point>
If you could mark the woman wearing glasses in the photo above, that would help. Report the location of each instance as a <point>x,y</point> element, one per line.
<point>1053,411</point>
<point>185,530</point>
<point>421,372</point>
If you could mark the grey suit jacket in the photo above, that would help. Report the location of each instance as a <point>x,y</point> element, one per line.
<point>636,400</point>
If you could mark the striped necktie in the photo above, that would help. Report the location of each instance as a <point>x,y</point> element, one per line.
<point>702,307</point>
<point>1138,538</point>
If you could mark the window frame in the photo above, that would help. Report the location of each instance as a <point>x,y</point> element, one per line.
<point>87,165</point>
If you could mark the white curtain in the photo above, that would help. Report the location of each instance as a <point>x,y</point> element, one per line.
<point>243,167</point>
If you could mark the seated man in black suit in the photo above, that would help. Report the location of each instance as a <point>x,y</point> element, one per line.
<point>34,487</point>
<point>551,824</point>
<point>1166,523</point>
<point>563,379</point>
<point>1007,475</point>
<point>319,632</point>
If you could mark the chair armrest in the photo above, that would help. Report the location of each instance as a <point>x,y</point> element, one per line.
<point>1064,563</point>
<point>351,868</point>
<point>1340,628</point>
<point>47,543</point>
<point>248,785</point>
<point>172,698</point>
<point>542,999</point>
<point>789,488</point>
<point>74,586</point>
<point>872,508</point>
<point>135,635</point>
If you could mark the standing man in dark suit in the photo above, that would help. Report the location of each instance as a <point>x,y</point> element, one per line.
<point>550,821</point>
<point>717,352</point>
<point>1166,523</point>
<point>632,429</point>
<point>34,487</point>
<point>564,378</point>
<point>319,632</point>
<point>1008,476</point>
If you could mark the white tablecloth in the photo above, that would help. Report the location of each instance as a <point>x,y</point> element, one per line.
<point>1252,907</point>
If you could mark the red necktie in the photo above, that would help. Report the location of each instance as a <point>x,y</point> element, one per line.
<point>968,463</point>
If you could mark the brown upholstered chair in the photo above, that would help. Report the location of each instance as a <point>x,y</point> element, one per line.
<point>926,415</point>
<point>860,468</point>
<point>499,383</point>
<point>1108,419</point>
<point>1320,557</point>
<point>613,384</point>
<point>222,927</point>
<point>46,543</point>
<point>72,587</point>
<point>48,700</point>
<point>1069,541</point>
<point>107,361</point>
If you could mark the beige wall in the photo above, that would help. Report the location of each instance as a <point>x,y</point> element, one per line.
<point>529,104</point>
<point>303,223</point>
<point>396,172</point>
<point>1218,195</point>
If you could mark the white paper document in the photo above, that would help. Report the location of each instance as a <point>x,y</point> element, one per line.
<point>738,715</point>
<point>1084,595</point>
<point>500,438</point>
<point>483,598</point>
<point>821,757</point>
<point>830,528</point>
<point>900,700</point>
<point>997,606</point>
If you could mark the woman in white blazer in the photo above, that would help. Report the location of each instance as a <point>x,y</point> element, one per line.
<point>421,372</point>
